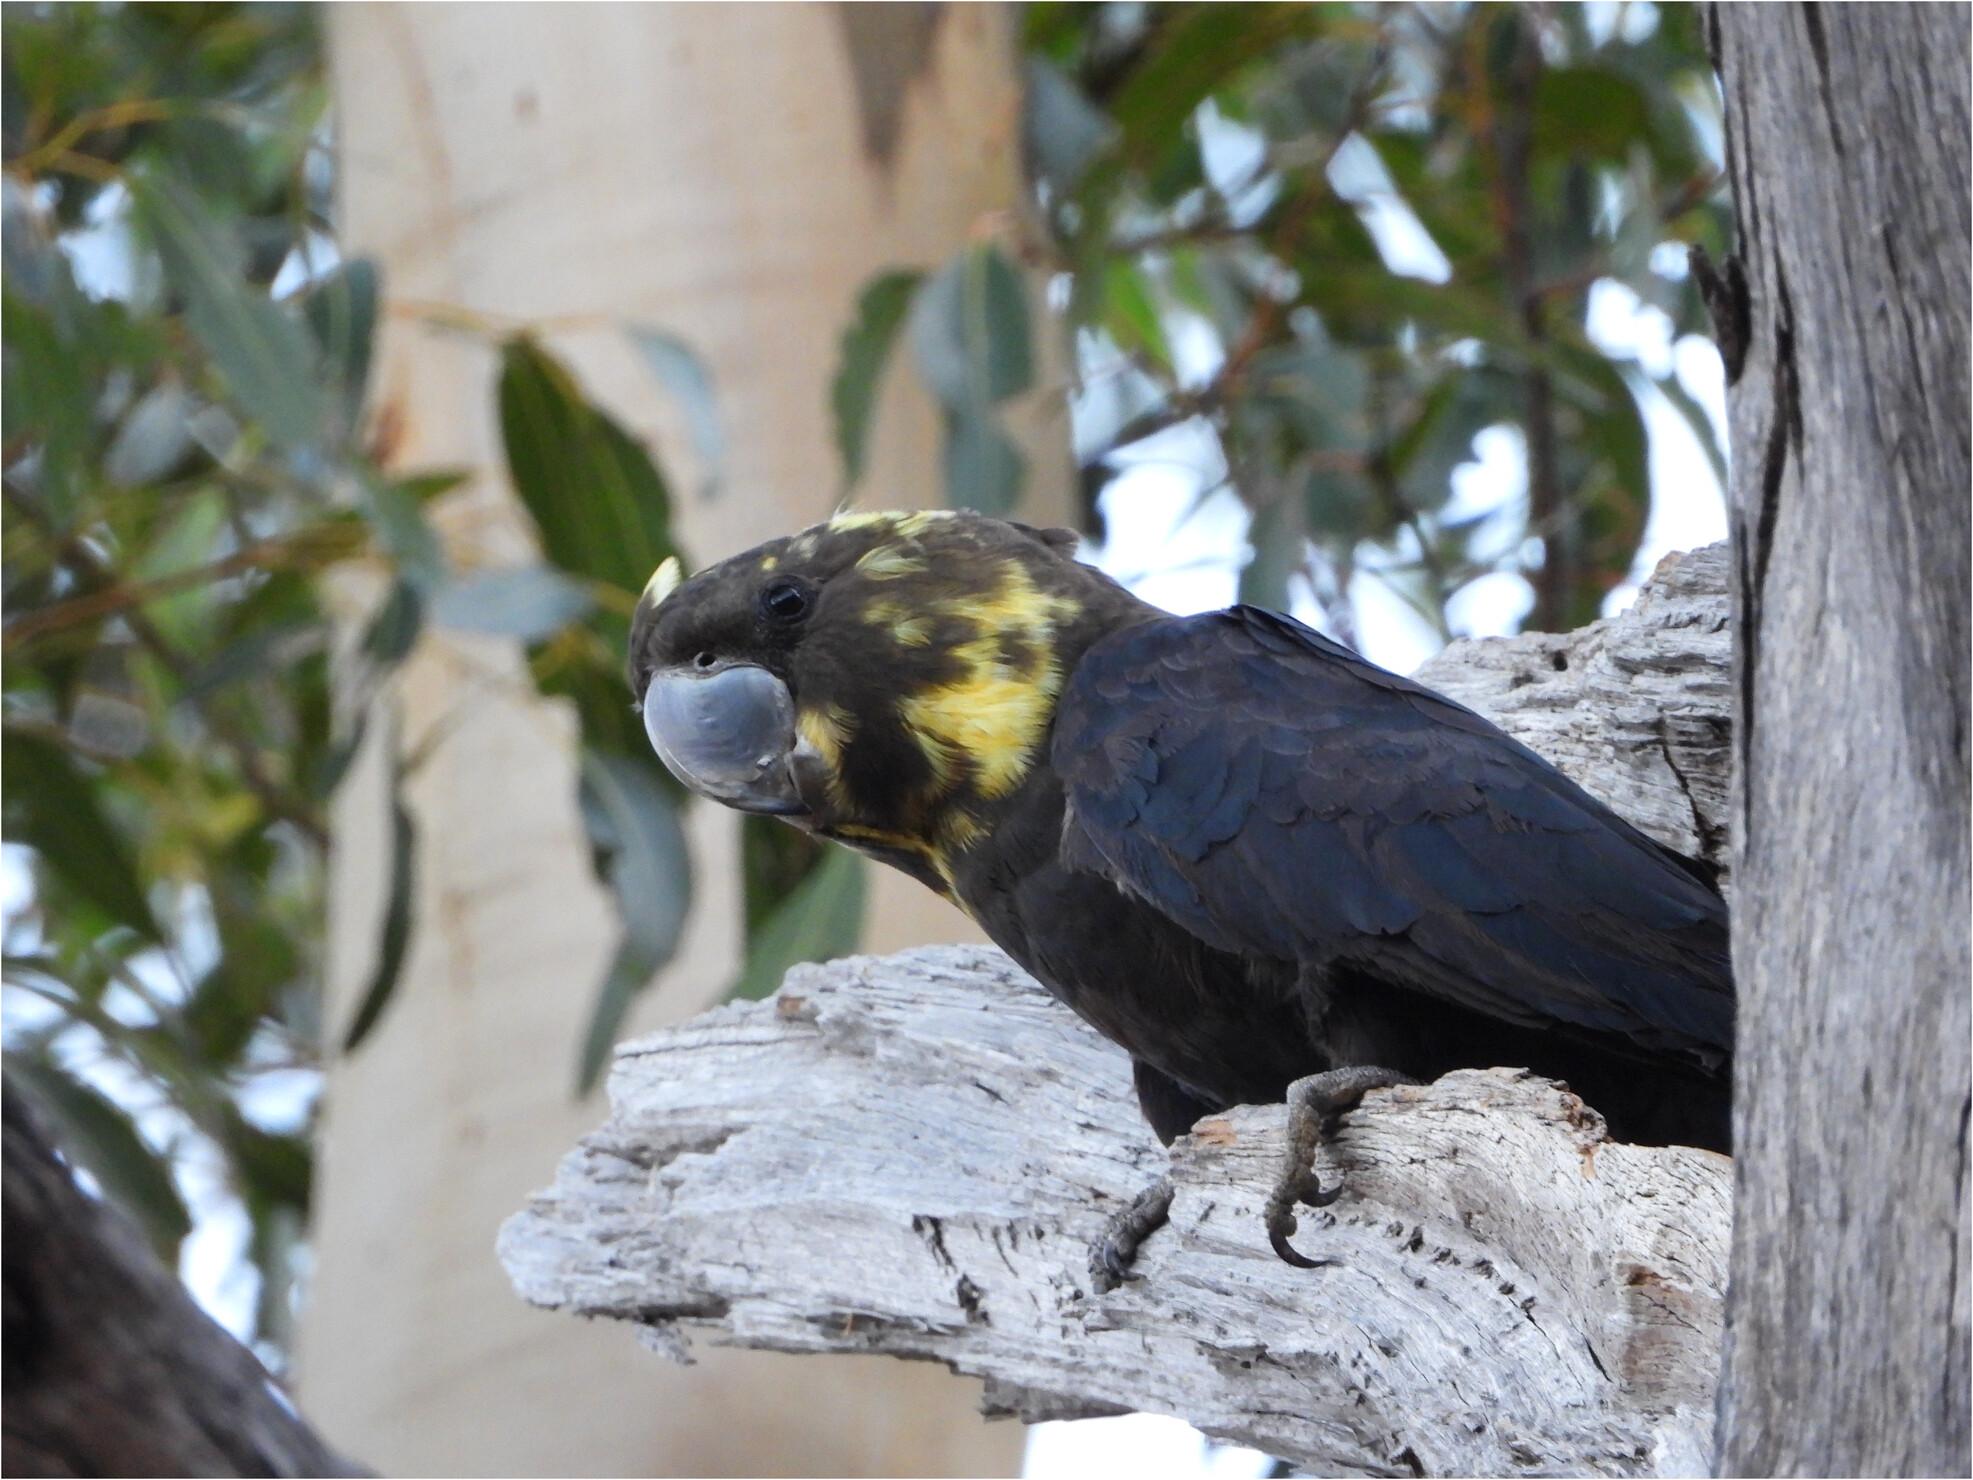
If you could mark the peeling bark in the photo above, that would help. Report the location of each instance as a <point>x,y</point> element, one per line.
<point>911,1155</point>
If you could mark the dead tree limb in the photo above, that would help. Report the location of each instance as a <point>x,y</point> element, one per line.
<point>911,1155</point>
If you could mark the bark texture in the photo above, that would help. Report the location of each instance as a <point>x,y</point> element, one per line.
<point>111,1368</point>
<point>1848,1338</point>
<point>911,1155</point>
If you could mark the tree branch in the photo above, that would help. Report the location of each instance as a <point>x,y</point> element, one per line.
<point>911,1155</point>
<point>111,1369</point>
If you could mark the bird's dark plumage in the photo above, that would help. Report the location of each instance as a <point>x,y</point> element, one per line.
<point>1272,792</point>
<point>1237,848</point>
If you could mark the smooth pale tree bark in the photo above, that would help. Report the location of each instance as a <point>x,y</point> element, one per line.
<point>730,175</point>
<point>1844,324</point>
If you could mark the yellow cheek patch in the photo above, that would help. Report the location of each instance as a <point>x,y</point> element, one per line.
<point>995,715</point>
<point>993,720</point>
<point>664,580</point>
<point>827,732</point>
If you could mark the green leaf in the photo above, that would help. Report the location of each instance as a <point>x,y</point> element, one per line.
<point>528,602</point>
<point>1197,50</point>
<point>341,311</point>
<point>866,347</point>
<point>969,326</point>
<point>394,510</point>
<point>821,919</point>
<point>261,350</point>
<point>399,915</point>
<point>983,467</point>
<point>275,1168</point>
<point>1279,537</point>
<point>98,1133</point>
<point>1132,315</point>
<point>1589,112</point>
<point>1063,130</point>
<point>53,809</point>
<point>1424,455</point>
<point>258,958</point>
<point>635,828</point>
<point>596,496</point>
<point>394,630</point>
<point>688,379</point>
<point>152,439</point>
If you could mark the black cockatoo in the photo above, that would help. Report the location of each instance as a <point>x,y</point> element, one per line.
<point>1263,865</point>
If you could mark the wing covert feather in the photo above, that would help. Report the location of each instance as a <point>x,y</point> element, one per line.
<point>1276,794</point>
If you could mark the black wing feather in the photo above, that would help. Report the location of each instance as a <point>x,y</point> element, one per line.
<point>1276,794</point>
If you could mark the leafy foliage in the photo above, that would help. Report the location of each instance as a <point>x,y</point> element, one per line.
<point>181,465</point>
<point>185,370</point>
<point>1342,241</point>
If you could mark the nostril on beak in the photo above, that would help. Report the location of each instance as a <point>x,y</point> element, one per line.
<point>704,661</point>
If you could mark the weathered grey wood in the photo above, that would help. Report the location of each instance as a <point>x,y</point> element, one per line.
<point>1636,707</point>
<point>1847,133</point>
<point>911,1155</point>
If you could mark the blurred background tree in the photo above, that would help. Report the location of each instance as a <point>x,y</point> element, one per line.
<point>1322,257</point>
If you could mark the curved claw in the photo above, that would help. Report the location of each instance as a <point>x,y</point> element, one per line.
<point>1280,1215</point>
<point>1315,1195</point>
<point>1277,1235</point>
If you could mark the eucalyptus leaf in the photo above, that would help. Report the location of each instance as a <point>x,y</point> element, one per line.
<point>394,511</point>
<point>153,438</point>
<point>647,864</point>
<point>341,310</point>
<point>394,630</point>
<point>866,349</point>
<point>822,918</point>
<point>1061,129</point>
<point>688,379</point>
<point>400,910</point>
<point>53,809</point>
<point>261,350</point>
<point>969,327</point>
<point>596,496</point>
<point>983,466</point>
<point>527,602</point>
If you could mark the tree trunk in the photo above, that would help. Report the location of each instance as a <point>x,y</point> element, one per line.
<point>1845,325</point>
<point>732,176</point>
<point>111,1367</point>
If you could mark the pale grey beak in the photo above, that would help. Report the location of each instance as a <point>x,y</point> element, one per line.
<point>728,732</point>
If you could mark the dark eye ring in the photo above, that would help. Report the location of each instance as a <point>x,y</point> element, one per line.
<point>784,601</point>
